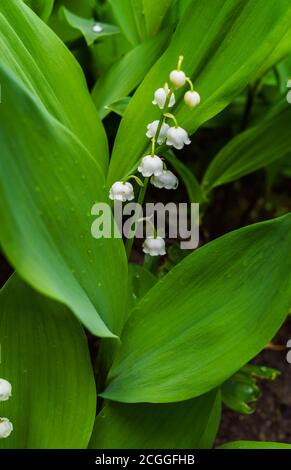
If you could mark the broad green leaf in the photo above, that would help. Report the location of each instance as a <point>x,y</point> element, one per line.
<point>127,73</point>
<point>119,106</point>
<point>254,445</point>
<point>188,178</point>
<point>154,13</point>
<point>140,281</point>
<point>48,185</point>
<point>129,16</point>
<point>43,8</point>
<point>223,42</point>
<point>86,26</point>
<point>280,51</point>
<point>206,318</point>
<point>44,354</point>
<point>255,148</point>
<point>44,65</point>
<point>185,425</point>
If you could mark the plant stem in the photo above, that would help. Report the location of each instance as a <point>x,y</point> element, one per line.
<point>141,196</point>
<point>143,189</point>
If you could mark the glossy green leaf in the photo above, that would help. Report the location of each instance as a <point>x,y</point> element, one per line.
<point>154,13</point>
<point>48,185</point>
<point>140,281</point>
<point>254,445</point>
<point>86,26</point>
<point>119,106</point>
<point>255,148</point>
<point>44,354</point>
<point>127,73</point>
<point>45,66</point>
<point>223,43</point>
<point>282,50</point>
<point>43,8</point>
<point>185,425</point>
<point>129,16</point>
<point>195,340</point>
<point>188,178</point>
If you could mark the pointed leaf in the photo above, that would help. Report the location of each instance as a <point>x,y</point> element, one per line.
<point>42,62</point>
<point>207,317</point>
<point>43,8</point>
<point>44,355</point>
<point>154,13</point>
<point>256,148</point>
<point>91,30</point>
<point>48,185</point>
<point>181,425</point>
<point>128,72</point>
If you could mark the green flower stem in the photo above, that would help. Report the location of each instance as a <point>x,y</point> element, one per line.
<point>141,196</point>
<point>143,189</point>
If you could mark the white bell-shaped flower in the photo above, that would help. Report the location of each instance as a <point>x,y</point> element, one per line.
<point>152,129</point>
<point>177,137</point>
<point>166,180</point>
<point>192,98</point>
<point>5,390</point>
<point>178,78</point>
<point>160,97</point>
<point>151,165</point>
<point>121,191</point>
<point>154,246</point>
<point>6,427</point>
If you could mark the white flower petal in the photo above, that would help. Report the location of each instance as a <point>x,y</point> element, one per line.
<point>192,99</point>
<point>160,97</point>
<point>178,78</point>
<point>121,191</point>
<point>166,180</point>
<point>151,165</point>
<point>154,246</point>
<point>5,390</point>
<point>177,137</point>
<point>152,129</point>
<point>6,428</point>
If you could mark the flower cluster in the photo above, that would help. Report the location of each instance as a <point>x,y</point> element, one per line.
<point>6,426</point>
<point>162,133</point>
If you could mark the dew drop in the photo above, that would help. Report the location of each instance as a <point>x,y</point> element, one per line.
<point>97,28</point>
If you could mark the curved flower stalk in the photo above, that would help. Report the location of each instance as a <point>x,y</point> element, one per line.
<point>152,165</point>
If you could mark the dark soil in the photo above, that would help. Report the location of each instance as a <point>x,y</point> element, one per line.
<point>272,419</point>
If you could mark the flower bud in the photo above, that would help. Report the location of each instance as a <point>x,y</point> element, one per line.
<point>166,180</point>
<point>177,137</point>
<point>154,246</point>
<point>192,98</point>
<point>160,97</point>
<point>152,129</point>
<point>178,78</point>
<point>6,427</point>
<point>121,191</point>
<point>5,390</point>
<point>151,165</point>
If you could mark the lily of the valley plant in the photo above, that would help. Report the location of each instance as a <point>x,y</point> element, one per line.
<point>115,343</point>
